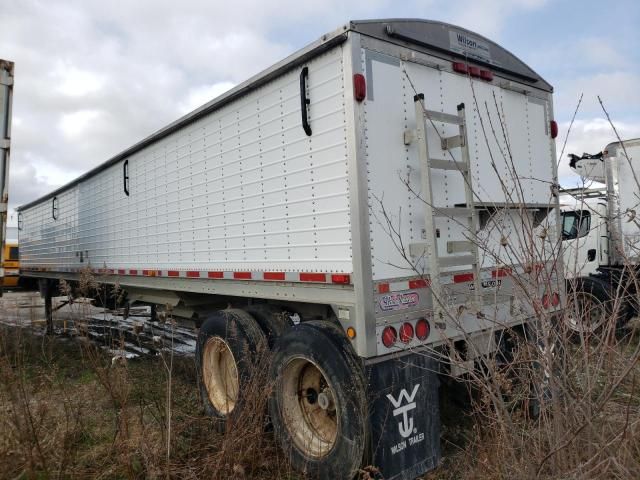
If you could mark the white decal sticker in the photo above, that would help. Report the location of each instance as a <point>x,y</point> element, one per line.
<point>487,284</point>
<point>399,301</point>
<point>470,46</point>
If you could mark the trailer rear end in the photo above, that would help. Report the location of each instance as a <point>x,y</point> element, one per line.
<point>363,206</point>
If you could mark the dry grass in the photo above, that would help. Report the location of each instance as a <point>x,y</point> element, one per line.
<point>67,412</point>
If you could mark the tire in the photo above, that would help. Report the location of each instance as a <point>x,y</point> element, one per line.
<point>228,346</point>
<point>271,319</point>
<point>318,407</point>
<point>590,307</point>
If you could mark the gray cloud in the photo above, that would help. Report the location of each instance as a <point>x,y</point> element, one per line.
<point>92,78</point>
<point>588,136</point>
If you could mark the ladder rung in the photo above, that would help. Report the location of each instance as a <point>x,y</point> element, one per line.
<point>443,117</point>
<point>448,165</point>
<point>452,212</point>
<point>450,143</point>
<point>456,261</point>
<point>460,246</point>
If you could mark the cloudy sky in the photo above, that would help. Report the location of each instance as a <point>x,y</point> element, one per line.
<point>94,77</point>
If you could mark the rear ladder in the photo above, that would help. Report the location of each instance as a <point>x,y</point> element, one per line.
<point>469,245</point>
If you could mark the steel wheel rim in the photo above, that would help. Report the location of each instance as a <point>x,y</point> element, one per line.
<point>583,309</point>
<point>220,375</point>
<point>309,407</point>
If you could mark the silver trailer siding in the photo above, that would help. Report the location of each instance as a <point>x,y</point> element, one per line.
<point>622,170</point>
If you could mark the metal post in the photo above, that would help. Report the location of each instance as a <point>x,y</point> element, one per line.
<point>48,310</point>
<point>6,95</point>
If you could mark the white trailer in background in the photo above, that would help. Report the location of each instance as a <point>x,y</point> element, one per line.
<point>601,234</point>
<point>6,100</point>
<point>352,205</point>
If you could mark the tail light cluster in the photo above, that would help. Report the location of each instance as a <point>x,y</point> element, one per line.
<point>472,71</point>
<point>407,333</point>
<point>550,300</point>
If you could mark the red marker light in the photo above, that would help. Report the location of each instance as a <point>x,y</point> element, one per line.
<point>474,71</point>
<point>422,329</point>
<point>553,127</point>
<point>460,67</point>
<point>359,87</point>
<point>486,75</point>
<point>555,299</point>
<point>406,333</point>
<point>389,336</point>
<point>546,301</point>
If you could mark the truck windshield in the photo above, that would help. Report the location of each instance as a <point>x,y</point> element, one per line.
<point>575,224</point>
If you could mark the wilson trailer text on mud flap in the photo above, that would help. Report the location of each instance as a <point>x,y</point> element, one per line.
<point>344,209</point>
<point>405,416</point>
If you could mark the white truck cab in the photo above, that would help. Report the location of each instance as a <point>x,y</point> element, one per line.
<point>601,236</point>
<point>585,235</point>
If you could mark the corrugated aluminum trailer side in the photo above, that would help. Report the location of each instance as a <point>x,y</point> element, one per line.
<point>622,170</point>
<point>269,198</point>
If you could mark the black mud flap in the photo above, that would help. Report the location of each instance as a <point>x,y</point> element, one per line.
<point>405,416</point>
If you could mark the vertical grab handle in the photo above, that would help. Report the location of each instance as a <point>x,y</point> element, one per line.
<point>304,101</point>
<point>125,176</point>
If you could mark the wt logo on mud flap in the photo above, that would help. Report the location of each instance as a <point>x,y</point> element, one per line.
<point>406,425</point>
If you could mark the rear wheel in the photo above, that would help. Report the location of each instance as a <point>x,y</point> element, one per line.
<point>272,319</point>
<point>590,307</point>
<point>229,344</point>
<point>318,408</point>
<point>220,375</point>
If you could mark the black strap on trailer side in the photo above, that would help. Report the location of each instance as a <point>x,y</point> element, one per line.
<point>405,416</point>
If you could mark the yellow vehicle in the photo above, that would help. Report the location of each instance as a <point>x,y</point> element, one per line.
<point>11,265</point>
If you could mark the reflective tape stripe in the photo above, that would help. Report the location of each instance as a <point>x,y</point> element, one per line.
<point>273,275</point>
<point>313,277</point>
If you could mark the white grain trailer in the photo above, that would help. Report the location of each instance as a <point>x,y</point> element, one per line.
<point>6,101</point>
<point>335,201</point>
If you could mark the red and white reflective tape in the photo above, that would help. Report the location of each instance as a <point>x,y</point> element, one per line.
<point>449,278</point>
<point>399,286</point>
<point>297,277</point>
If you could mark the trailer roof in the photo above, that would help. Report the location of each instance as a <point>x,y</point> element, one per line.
<point>611,149</point>
<point>437,38</point>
